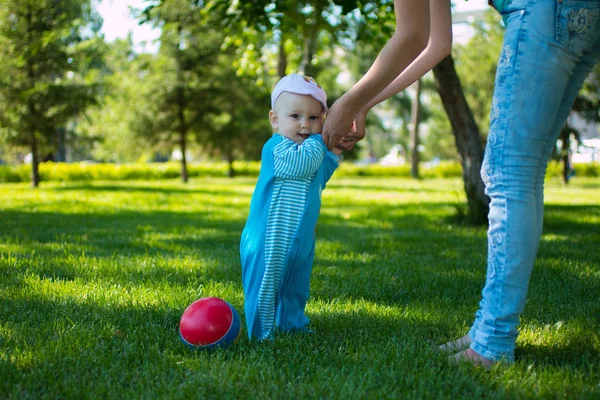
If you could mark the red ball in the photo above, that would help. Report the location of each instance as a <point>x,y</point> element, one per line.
<point>208,323</point>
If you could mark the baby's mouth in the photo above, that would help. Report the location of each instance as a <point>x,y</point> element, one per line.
<point>304,135</point>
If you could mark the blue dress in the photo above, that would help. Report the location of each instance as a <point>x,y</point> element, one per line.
<point>278,242</point>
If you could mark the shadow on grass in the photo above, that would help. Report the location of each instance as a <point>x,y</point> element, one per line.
<point>578,353</point>
<point>559,218</point>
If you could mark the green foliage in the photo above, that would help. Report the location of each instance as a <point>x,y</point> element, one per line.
<point>94,278</point>
<point>194,88</point>
<point>113,131</point>
<point>238,125</point>
<point>304,33</point>
<point>587,103</point>
<point>440,141</point>
<point>181,76</point>
<point>46,76</point>
<point>476,65</point>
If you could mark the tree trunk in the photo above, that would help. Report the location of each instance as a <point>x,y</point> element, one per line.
<point>310,42</point>
<point>35,173</point>
<point>467,137</point>
<point>182,130</point>
<point>282,62</point>
<point>414,132</point>
<point>231,170</point>
<point>183,144</point>
<point>182,135</point>
<point>181,104</point>
<point>565,138</point>
<point>61,148</point>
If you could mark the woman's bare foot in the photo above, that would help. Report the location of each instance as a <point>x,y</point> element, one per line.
<point>472,357</point>
<point>456,345</point>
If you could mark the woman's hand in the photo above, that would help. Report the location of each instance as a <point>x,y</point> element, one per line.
<point>357,132</point>
<point>338,123</point>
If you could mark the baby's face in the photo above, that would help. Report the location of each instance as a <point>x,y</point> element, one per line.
<point>297,116</point>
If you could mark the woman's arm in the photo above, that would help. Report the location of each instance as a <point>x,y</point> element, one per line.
<point>403,60</point>
<point>438,47</point>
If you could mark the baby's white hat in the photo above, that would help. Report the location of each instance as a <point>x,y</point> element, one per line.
<point>299,84</point>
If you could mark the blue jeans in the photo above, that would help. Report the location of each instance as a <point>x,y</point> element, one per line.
<point>549,48</point>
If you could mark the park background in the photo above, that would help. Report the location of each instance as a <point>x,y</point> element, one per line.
<point>139,125</point>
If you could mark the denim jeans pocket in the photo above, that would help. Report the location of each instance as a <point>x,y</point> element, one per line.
<point>577,25</point>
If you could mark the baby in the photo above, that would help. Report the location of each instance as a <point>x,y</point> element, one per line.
<point>278,242</point>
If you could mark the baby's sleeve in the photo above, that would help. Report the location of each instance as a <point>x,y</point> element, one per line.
<point>298,161</point>
<point>330,164</point>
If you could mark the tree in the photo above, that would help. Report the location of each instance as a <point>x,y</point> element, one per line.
<point>114,130</point>
<point>468,139</point>
<point>42,48</point>
<point>190,45</point>
<point>564,153</point>
<point>476,64</point>
<point>374,25</point>
<point>467,106</point>
<point>239,125</point>
<point>587,106</point>
<point>300,29</point>
<point>414,131</point>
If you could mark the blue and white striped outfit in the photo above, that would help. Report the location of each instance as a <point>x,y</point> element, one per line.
<point>278,241</point>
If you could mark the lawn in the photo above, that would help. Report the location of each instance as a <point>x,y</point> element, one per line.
<point>94,278</point>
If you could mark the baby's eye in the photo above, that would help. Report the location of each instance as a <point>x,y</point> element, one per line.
<point>314,117</point>
<point>295,116</point>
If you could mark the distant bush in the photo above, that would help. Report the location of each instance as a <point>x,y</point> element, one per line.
<point>19,173</point>
<point>347,169</point>
<point>442,170</point>
<point>62,172</point>
<point>555,169</point>
<point>591,170</point>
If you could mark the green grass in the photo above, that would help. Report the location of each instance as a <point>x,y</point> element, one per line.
<point>94,277</point>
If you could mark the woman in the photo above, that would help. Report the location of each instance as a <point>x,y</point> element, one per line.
<point>549,48</point>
